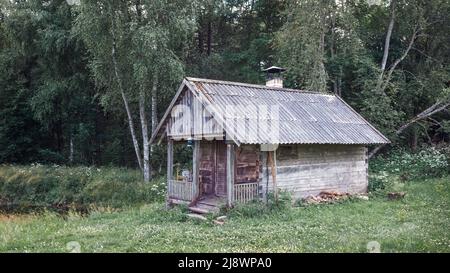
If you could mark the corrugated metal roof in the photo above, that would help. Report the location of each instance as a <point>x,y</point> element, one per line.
<point>302,116</point>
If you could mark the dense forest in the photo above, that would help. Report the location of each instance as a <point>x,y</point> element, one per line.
<point>84,82</point>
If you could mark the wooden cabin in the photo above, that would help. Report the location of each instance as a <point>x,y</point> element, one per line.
<point>251,139</point>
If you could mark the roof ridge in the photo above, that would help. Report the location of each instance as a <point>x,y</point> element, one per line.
<point>193,79</point>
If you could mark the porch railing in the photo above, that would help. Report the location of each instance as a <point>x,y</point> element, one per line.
<point>181,190</point>
<point>245,192</point>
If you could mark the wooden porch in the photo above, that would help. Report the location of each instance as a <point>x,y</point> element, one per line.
<point>184,191</point>
<point>198,193</point>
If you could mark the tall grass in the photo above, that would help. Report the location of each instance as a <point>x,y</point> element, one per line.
<point>418,223</point>
<point>38,186</point>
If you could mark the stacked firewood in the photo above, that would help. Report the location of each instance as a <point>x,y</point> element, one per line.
<point>329,197</point>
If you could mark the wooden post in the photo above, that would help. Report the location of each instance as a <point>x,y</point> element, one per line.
<point>169,164</point>
<point>230,174</point>
<point>273,165</point>
<point>170,159</point>
<point>195,167</point>
<point>274,174</point>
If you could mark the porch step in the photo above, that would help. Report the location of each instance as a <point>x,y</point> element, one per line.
<point>197,216</point>
<point>204,208</point>
<point>208,207</point>
<point>198,210</point>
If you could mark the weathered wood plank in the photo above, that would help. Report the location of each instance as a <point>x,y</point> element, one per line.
<point>192,120</point>
<point>181,190</point>
<point>195,168</point>
<point>246,192</point>
<point>169,159</point>
<point>169,166</point>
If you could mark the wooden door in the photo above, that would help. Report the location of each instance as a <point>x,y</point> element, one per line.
<point>221,169</point>
<point>207,167</point>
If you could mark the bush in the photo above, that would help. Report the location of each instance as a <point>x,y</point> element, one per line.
<point>38,186</point>
<point>382,181</point>
<point>428,162</point>
<point>259,208</point>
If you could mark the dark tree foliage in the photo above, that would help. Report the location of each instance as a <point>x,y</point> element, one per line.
<point>55,80</point>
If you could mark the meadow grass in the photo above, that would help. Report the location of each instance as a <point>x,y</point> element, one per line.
<point>29,188</point>
<point>418,223</point>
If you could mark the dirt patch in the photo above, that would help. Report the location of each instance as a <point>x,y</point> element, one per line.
<point>16,218</point>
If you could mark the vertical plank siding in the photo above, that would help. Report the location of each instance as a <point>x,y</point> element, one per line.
<point>196,122</point>
<point>246,192</point>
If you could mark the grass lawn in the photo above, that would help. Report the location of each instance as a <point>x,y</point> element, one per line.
<point>419,223</point>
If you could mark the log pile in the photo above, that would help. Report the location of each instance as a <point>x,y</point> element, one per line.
<point>396,195</point>
<point>326,197</point>
<point>332,196</point>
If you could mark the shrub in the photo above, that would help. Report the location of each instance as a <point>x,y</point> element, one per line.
<point>383,182</point>
<point>428,162</point>
<point>379,181</point>
<point>259,208</point>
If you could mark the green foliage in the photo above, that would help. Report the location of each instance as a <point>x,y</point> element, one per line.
<point>47,95</point>
<point>391,171</point>
<point>428,162</point>
<point>304,53</point>
<point>234,39</point>
<point>147,45</point>
<point>57,85</point>
<point>41,187</point>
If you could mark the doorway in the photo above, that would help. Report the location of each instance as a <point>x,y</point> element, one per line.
<point>212,169</point>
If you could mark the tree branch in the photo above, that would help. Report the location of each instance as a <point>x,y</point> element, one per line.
<point>399,60</point>
<point>433,109</point>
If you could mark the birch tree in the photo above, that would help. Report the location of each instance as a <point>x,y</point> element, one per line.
<point>301,43</point>
<point>145,40</point>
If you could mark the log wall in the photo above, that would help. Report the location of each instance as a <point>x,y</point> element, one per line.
<point>306,170</point>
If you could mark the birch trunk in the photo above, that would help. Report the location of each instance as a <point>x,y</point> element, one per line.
<point>398,61</point>
<point>383,80</point>
<point>387,42</point>
<point>124,97</point>
<point>144,129</point>
<point>154,102</point>
<point>71,150</point>
<point>332,51</point>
